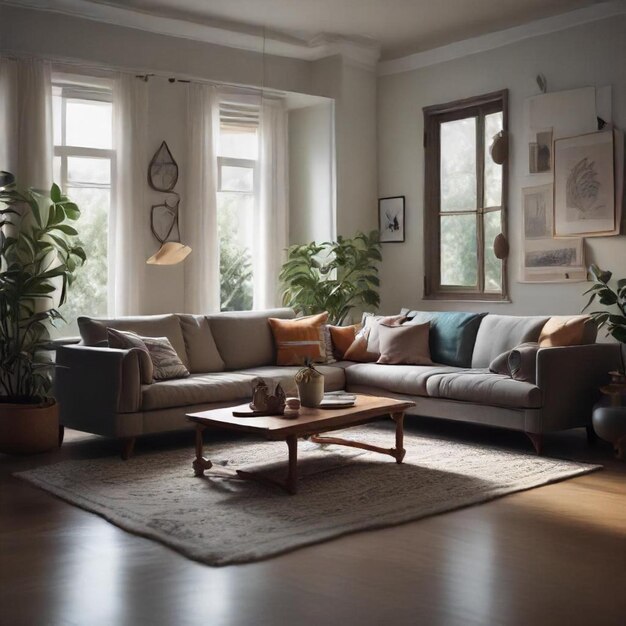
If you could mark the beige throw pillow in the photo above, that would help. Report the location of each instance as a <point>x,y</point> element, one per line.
<point>167,364</point>
<point>127,340</point>
<point>404,345</point>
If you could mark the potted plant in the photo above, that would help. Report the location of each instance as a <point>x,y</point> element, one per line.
<point>614,319</point>
<point>310,385</point>
<point>332,276</point>
<point>39,254</point>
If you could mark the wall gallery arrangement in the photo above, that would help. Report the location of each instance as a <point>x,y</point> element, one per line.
<point>574,182</point>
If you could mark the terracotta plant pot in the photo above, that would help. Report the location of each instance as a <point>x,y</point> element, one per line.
<point>29,428</point>
<point>311,391</point>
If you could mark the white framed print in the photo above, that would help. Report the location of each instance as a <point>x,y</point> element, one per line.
<point>391,219</point>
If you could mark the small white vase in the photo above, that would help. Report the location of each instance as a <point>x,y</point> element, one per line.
<point>311,392</point>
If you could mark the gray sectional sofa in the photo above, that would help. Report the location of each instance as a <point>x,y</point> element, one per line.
<point>99,388</point>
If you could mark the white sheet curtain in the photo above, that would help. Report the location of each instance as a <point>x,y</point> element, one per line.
<point>129,222</point>
<point>198,214</point>
<point>26,143</point>
<point>272,216</point>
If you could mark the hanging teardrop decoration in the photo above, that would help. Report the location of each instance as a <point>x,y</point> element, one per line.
<point>163,170</point>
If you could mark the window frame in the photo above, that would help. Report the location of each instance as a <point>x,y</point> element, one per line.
<point>65,151</point>
<point>71,91</point>
<point>250,164</point>
<point>434,116</point>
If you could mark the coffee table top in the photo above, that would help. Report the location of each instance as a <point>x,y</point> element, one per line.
<point>310,421</point>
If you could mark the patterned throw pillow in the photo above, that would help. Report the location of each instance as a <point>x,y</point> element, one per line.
<point>365,347</point>
<point>126,340</point>
<point>167,364</point>
<point>299,339</point>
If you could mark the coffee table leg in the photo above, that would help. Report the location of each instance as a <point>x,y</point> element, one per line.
<point>292,472</point>
<point>200,464</point>
<point>398,418</point>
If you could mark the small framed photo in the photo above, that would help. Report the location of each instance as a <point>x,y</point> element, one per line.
<point>391,219</point>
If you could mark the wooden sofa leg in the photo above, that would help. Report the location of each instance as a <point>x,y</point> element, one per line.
<point>591,435</point>
<point>537,441</point>
<point>128,444</point>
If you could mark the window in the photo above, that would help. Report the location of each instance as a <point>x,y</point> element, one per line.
<point>465,199</point>
<point>83,167</point>
<point>237,182</point>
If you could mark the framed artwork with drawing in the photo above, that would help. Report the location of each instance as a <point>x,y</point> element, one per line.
<point>584,185</point>
<point>391,219</point>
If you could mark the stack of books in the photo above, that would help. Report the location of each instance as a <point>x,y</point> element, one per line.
<point>337,400</point>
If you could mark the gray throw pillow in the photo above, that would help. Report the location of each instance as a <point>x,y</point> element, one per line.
<point>520,363</point>
<point>523,362</point>
<point>404,345</point>
<point>126,340</point>
<point>167,364</point>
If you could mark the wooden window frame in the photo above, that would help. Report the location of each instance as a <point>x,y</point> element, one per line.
<point>478,106</point>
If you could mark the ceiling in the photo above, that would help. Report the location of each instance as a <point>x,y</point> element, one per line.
<point>399,27</point>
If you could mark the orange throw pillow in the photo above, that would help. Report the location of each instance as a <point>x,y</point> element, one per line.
<point>299,339</point>
<point>562,330</point>
<point>342,338</point>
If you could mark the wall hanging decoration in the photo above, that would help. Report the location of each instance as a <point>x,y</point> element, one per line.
<point>544,259</point>
<point>391,219</point>
<point>163,176</point>
<point>584,185</point>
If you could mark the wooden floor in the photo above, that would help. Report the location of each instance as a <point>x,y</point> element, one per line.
<point>553,555</point>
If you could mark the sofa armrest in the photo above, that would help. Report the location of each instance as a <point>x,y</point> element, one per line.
<point>93,384</point>
<point>570,379</point>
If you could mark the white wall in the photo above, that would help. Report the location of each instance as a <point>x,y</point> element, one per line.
<point>311,173</point>
<point>592,54</point>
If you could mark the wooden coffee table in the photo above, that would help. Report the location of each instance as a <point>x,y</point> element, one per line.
<point>309,424</point>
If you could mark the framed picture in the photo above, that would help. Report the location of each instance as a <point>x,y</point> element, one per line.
<point>540,152</point>
<point>584,185</point>
<point>391,219</point>
<point>544,259</point>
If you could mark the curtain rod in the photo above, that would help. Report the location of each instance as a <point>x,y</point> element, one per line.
<point>140,73</point>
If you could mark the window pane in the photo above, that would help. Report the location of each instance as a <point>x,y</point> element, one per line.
<point>56,170</point>
<point>237,178</point>
<point>88,294</point>
<point>85,170</point>
<point>493,171</point>
<point>88,124</point>
<point>235,228</point>
<point>459,263</point>
<point>242,143</point>
<point>493,265</point>
<point>458,165</point>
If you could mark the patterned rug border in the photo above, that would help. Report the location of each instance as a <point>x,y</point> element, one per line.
<point>186,549</point>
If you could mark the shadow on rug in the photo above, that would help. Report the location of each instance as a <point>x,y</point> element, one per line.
<point>221,521</point>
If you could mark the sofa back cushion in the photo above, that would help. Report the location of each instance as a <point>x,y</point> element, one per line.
<point>500,333</point>
<point>93,330</point>
<point>244,338</point>
<point>452,335</point>
<point>204,357</point>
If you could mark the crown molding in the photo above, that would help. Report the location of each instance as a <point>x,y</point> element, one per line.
<point>502,38</point>
<point>359,52</point>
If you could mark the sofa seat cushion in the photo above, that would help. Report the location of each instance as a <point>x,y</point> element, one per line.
<point>483,387</point>
<point>197,389</point>
<point>334,377</point>
<point>406,379</point>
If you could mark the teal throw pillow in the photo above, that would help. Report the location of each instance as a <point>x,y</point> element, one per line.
<point>452,335</point>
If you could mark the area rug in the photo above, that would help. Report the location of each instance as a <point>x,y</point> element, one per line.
<point>221,521</point>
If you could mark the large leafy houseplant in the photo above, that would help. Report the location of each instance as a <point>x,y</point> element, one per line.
<point>39,255</point>
<point>333,276</point>
<point>614,317</point>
